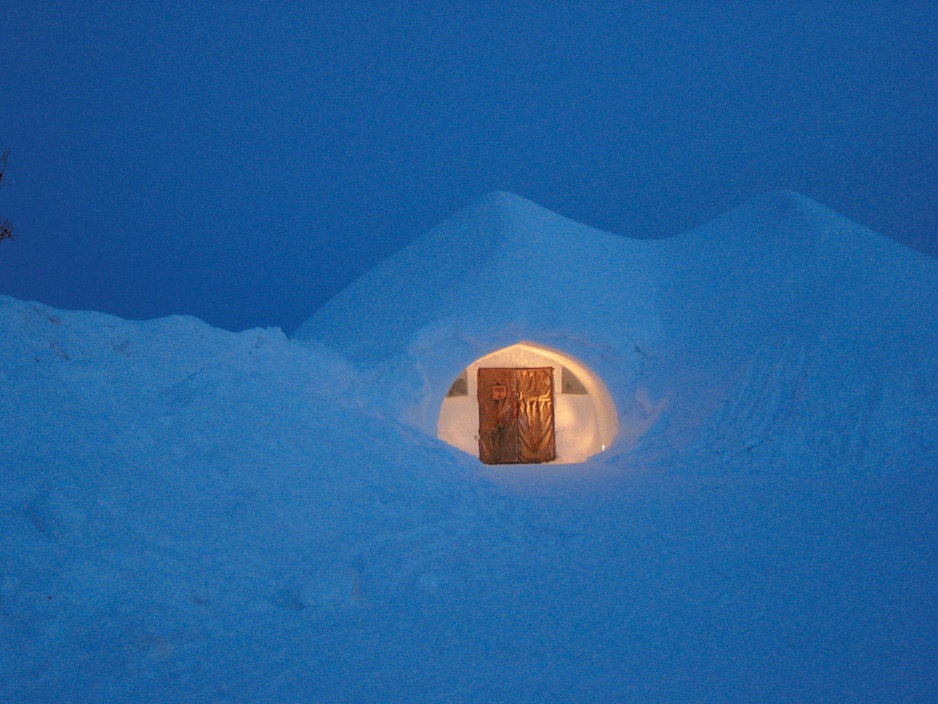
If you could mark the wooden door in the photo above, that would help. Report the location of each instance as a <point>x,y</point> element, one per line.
<point>516,415</point>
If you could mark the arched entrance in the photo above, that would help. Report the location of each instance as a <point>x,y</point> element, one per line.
<point>528,403</point>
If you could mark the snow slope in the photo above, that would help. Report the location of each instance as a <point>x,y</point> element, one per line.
<point>195,515</point>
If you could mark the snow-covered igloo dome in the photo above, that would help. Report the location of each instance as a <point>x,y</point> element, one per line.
<point>504,284</point>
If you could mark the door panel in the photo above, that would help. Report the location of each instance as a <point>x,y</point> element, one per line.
<point>498,431</point>
<point>535,411</point>
<point>516,415</point>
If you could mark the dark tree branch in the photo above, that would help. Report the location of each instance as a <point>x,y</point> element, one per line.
<point>6,227</point>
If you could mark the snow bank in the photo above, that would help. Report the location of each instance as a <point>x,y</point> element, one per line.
<point>193,515</point>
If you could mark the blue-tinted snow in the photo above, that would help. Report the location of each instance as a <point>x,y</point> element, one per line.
<point>194,515</point>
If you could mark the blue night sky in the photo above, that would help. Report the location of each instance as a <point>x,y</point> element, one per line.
<point>244,162</point>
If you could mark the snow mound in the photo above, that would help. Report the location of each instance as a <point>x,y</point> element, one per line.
<point>194,515</point>
<point>674,321</point>
<point>502,262</point>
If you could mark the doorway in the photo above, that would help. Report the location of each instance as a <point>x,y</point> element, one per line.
<point>516,415</point>
<point>585,417</point>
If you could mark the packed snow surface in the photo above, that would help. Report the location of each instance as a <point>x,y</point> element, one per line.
<point>193,515</point>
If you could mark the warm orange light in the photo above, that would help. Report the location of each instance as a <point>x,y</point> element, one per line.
<point>586,423</point>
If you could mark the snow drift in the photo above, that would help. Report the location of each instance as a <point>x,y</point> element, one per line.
<point>195,515</point>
